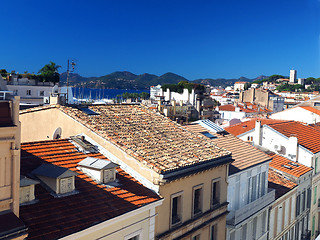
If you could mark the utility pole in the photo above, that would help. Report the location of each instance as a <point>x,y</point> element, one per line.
<point>73,64</point>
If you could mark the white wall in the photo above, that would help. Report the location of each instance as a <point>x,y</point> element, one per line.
<point>297,114</point>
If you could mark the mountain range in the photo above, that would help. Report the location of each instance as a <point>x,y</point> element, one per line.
<point>128,80</point>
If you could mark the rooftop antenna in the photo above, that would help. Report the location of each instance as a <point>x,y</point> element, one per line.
<point>73,64</point>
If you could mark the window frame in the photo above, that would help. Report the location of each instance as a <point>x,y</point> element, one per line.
<point>194,189</point>
<point>134,234</point>
<point>179,208</point>
<point>218,190</point>
<point>28,92</point>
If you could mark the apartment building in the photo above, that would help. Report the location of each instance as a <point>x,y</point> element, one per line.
<point>11,226</point>
<point>293,140</point>
<point>265,98</point>
<point>70,190</point>
<point>306,114</point>
<point>289,215</point>
<point>188,171</point>
<point>248,194</point>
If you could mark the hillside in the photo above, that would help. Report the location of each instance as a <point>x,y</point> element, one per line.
<point>128,80</point>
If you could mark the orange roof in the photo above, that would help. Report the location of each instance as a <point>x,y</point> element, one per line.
<point>253,109</point>
<point>240,82</point>
<point>308,136</point>
<point>280,183</point>
<point>246,126</point>
<point>311,109</point>
<point>287,166</point>
<point>53,218</point>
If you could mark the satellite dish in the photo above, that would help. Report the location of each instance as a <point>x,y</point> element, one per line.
<point>57,133</point>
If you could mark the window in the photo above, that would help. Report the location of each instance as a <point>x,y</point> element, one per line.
<point>134,236</point>
<point>315,195</point>
<point>213,232</point>
<point>41,93</point>
<point>197,237</point>
<point>254,228</point>
<point>66,185</point>
<point>308,197</point>
<point>263,183</point>
<point>176,208</point>
<point>298,206</point>
<point>244,232</point>
<point>215,199</point>
<point>15,92</point>
<point>197,200</point>
<point>313,225</point>
<point>29,92</point>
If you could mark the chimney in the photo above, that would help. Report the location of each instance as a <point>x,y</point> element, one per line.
<point>257,133</point>
<point>173,102</point>
<point>293,147</point>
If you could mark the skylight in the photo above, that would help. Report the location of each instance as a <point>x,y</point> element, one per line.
<point>208,135</point>
<point>88,111</point>
<point>288,167</point>
<point>293,164</point>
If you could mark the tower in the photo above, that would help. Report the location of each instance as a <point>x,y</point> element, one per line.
<point>293,76</point>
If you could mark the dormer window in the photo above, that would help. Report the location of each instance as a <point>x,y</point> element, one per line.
<point>58,179</point>
<point>27,186</point>
<point>101,170</point>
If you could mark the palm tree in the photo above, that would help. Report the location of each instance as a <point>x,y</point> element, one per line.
<point>49,73</point>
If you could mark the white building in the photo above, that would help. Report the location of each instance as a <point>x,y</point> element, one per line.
<point>239,86</point>
<point>155,91</point>
<point>304,114</point>
<point>248,194</point>
<point>293,76</point>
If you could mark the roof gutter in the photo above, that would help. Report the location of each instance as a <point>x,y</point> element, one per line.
<point>191,169</point>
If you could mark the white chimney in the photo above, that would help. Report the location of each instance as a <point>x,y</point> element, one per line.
<point>257,133</point>
<point>293,148</point>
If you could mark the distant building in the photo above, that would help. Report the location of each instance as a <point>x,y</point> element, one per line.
<point>293,76</point>
<point>264,98</point>
<point>155,91</point>
<point>239,86</point>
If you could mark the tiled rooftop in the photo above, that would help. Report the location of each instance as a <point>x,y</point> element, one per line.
<point>308,136</point>
<point>287,166</point>
<point>52,218</point>
<point>151,138</point>
<point>280,183</point>
<point>246,126</point>
<point>248,108</point>
<point>243,154</point>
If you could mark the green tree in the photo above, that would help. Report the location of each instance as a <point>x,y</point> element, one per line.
<point>144,95</point>
<point>3,72</point>
<point>49,73</point>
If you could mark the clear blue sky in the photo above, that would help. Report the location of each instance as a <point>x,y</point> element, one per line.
<point>196,39</point>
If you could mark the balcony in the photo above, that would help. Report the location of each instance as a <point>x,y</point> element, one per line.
<point>237,216</point>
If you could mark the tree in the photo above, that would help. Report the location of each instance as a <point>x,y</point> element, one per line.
<point>3,72</point>
<point>49,73</point>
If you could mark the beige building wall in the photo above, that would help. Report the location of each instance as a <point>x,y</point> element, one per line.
<point>10,162</point>
<point>139,222</point>
<point>185,187</point>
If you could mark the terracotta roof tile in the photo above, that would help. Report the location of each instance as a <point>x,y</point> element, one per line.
<point>151,138</point>
<point>243,154</point>
<point>280,183</point>
<point>279,163</point>
<point>53,218</point>
<point>308,136</point>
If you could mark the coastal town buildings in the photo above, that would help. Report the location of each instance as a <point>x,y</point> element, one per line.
<point>248,194</point>
<point>289,214</point>
<point>293,140</point>
<point>157,152</point>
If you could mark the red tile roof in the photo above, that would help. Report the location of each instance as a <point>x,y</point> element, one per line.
<point>250,108</point>
<point>279,162</point>
<point>53,218</point>
<point>280,183</point>
<point>246,126</point>
<point>308,136</point>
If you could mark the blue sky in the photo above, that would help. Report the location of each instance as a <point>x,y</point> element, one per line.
<point>196,39</point>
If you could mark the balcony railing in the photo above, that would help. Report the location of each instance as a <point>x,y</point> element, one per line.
<point>5,95</point>
<point>237,216</point>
